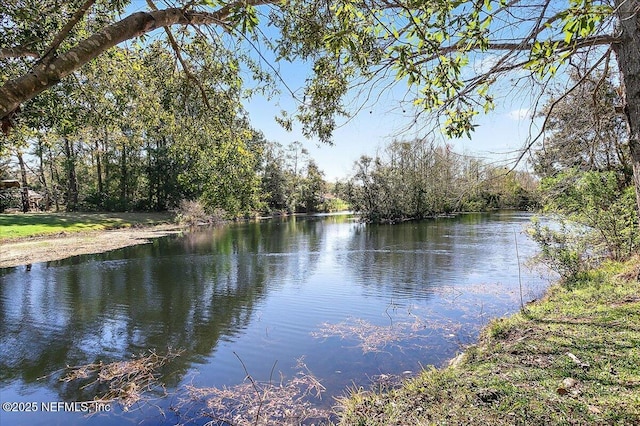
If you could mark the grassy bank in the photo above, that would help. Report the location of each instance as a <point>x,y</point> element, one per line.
<point>16,226</point>
<point>572,358</point>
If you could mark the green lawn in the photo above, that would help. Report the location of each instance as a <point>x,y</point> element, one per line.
<point>572,359</point>
<point>13,226</point>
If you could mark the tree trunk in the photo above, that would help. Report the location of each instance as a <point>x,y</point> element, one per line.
<point>123,177</point>
<point>99,167</point>
<point>55,180</point>
<point>107,167</point>
<point>72,182</point>
<point>43,178</point>
<point>25,189</point>
<point>163,178</point>
<point>628,56</point>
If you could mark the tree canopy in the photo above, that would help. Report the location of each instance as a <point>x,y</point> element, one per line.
<point>449,52</point>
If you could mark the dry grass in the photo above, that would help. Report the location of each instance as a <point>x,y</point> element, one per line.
<point>126,381</point>
<point>370,337</point>
<point>256,403</point>
<point>132,382</point>
<point>398,334</point>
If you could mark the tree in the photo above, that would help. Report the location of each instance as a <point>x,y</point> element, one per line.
<point>586,179</point>
<point>593,140</point>
<point>314,187</point>
<point>432,46</point>
<point>129,131</point>
<point>451,52</point>
<point>274,183</point>
<point>409,180</point>
<point>417,179</point>
<point>54,65</point>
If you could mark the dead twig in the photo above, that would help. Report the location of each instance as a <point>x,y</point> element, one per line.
<point>126,381</point>
<point>255,403</point>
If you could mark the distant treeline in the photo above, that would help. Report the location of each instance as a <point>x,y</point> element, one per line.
<point>419,179</point>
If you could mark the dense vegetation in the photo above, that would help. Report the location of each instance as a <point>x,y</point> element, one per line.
<point>418,179</point>
<point>449,53</point>
<point>130,132</point>
<point>587,180</point>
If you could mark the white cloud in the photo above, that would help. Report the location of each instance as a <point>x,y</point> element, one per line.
<point>520,114</point>
<point>485,64</point>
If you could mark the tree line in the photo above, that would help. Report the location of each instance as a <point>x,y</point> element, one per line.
<point>132,132</point>
<point>450,53</point>
<point>418,178</point>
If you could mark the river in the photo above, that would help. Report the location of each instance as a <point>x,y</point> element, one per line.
<point>324,297</point>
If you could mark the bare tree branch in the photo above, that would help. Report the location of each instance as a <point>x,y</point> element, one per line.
<point>543,128</point>
<point>599,40</point>
<point>17,52</point>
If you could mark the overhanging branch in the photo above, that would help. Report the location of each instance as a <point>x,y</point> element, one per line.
<point>562,46</point>
<point>64,32</point>
<point>43,76</point>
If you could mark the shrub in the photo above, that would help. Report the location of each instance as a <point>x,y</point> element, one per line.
<point>597,201</point>
<point>564,248</point>
<point>192,212</point>
<point>599,220</point>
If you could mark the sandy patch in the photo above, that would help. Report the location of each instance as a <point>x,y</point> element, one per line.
<point>44,249</point>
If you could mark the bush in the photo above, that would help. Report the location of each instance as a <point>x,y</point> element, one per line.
<point>9,199</point>
<point>193,212</point>
<point>599,220</point>
<point>564,248</point>
<point>597,201</point>
<point>334,205</point>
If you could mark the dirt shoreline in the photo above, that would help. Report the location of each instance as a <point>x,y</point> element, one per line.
<point>60,246</point>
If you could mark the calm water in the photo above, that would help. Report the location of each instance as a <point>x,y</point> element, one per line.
<point>266,293</point>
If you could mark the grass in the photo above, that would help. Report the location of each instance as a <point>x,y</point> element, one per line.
<point>571,359</point>
<point>17,226</point>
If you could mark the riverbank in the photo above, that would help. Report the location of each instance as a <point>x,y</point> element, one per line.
<point>571,358</point>
<point>32,238</point>
<point>43,237</point>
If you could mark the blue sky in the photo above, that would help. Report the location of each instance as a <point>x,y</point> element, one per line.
<point>498,136</point>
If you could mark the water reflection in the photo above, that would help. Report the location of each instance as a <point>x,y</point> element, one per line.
<point>257,289</point>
